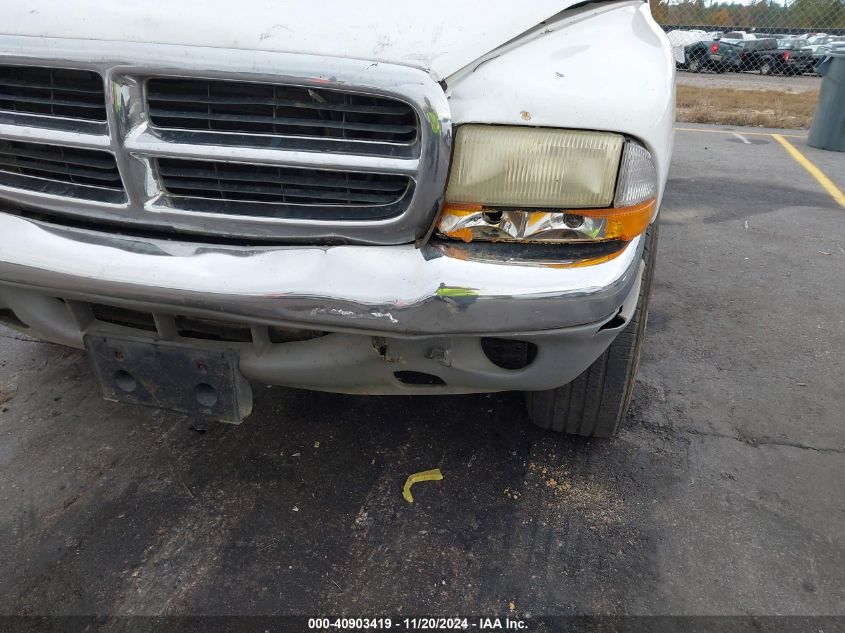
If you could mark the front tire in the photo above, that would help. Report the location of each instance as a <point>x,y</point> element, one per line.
<point>766,68</point>
<point>695,65</point>
<point>595,403</point>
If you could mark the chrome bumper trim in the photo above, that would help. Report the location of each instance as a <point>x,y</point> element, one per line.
<point>390,290</point>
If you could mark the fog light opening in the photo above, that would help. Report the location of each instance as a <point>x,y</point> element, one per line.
<point>508,353</point>
<point>419,378</point>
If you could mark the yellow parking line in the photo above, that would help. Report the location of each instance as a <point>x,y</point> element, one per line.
<point>815,172</point>
<point>744,133</point>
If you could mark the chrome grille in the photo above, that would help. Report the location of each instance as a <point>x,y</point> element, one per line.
<point>276,110</point>
<point>302,192</point>
<point>226,143</point>
<point>56,92</point>
<point>50,168</point>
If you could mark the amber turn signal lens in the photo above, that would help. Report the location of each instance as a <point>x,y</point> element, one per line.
<point>624,223</point>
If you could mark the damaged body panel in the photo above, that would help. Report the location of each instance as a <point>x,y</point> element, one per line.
<point>440,36</point>
<point>375,199</point>
<point>398,290</point>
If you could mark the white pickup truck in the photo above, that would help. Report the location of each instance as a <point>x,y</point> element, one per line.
<point>373,198</point>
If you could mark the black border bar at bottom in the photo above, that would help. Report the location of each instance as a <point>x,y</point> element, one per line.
<point>509,622</point>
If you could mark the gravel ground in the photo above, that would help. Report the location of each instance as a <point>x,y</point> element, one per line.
<point>722,495</point>
<point>750,81</point>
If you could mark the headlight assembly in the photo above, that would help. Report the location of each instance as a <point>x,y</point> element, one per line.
<point>547,185</point>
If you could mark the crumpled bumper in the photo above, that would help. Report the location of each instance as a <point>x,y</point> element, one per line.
<point>391,290</point>
<point>387,309</point>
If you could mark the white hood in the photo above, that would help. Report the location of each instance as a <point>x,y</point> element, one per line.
<point>440,36</point>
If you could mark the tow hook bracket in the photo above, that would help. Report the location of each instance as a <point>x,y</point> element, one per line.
<point>183,378</point>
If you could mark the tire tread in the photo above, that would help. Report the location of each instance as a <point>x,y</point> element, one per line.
<point>594,404</point>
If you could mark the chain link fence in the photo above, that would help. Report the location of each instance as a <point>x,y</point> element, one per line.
<point>750,62</point>
<point>766,37</point>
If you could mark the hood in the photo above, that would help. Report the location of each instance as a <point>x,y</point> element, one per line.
<point>439,36</point>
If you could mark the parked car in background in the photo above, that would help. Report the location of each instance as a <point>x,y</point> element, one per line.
<point>679,39</point>
<point>718,56</point>
<point>739,35</point>
<point>821,45</point>
<point>789,57</point>
<point>751,51</point>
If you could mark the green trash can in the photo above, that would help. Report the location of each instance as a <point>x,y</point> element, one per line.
<point>828,128</point>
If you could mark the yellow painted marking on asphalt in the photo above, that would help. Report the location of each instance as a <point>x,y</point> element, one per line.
<point>709,131</point>
<point>815,172</point>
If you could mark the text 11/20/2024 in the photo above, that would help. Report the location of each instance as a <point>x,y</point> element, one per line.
<point>418,624</point>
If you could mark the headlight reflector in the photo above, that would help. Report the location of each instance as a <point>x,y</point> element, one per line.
<point>474,222</point>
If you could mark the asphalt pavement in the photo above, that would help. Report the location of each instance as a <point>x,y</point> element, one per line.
<point>723,494</point>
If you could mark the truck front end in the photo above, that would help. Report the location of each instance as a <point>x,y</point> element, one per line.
<point>377,200</point>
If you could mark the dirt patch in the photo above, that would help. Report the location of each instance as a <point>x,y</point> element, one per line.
<point>760,108</point>
<point>8,390</point>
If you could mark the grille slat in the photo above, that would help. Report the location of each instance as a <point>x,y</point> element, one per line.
<point>99,160</point>
<point>34,85</point>
<point>89,168</point>
<point>61,93</point>
<point>46,100</point>
<point>54,168</point>
<point>287,194</point>
<point>249,108</point>
<point>282,185</point>
<point>283,121</point>
<point>289,103</point>
<point>282,177</point>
